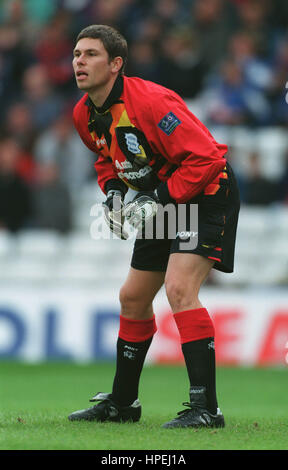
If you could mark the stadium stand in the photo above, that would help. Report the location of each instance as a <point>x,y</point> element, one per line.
<point>237,50</point>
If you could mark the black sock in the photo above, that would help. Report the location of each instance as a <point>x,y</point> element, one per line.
<point>129,364</point>
<point>200,363</point>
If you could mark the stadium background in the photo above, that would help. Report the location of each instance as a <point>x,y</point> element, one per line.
<point>58,285</point>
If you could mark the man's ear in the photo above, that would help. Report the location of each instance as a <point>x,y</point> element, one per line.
<point>116,64</point>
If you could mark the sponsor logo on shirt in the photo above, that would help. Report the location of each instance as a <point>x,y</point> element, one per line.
<point>132,143</point>
<point>169,123</point>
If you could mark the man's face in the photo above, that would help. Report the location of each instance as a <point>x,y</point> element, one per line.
<point>91,64</point>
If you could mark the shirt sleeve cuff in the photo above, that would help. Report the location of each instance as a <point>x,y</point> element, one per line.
<point>116,184</point>
<point>163,194</point>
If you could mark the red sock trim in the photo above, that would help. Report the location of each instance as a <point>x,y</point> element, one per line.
<point>136,331</point>
<point>194,324</point>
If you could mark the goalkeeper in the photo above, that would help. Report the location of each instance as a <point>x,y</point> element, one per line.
<point>147,139</point>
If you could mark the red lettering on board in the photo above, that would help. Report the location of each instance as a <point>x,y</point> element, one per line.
<point>274,345</point>
<point>169,333</point>
<point>227,335</point>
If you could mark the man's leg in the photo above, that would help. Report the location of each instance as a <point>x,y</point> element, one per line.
<point>185,274</point>
<point>137,327</point>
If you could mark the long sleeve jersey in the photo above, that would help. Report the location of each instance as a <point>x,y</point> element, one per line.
<point>146,137</point>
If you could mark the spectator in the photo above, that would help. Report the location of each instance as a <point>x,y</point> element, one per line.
<point>15,203</point>
<point>43,102</point>
<point>231,100</point>
<point>81,12</point>
<point>224,97</point>
<point>259,190</point>
<point>51,203</point>
<point>181,66</point>
<point>279,87</point>
<point>246,49</point>
<point>110,12</point>
<point>149,28</point>
<point>278,15</point>
<point>53,52</point>
<point>36,11</point>
<point>19,123</point>
<point>171,12</point>
<point>60,145</point>
<point>254,17</point>
<point>143,62</point>
<point>213,21</point>
<point>14,59</point>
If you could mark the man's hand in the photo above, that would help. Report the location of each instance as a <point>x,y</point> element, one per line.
<point>113,213</point>
<point>139,211</point>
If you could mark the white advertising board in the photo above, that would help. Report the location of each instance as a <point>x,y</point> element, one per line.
<point>82,325</point>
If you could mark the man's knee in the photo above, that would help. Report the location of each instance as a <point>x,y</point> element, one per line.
<point>133,304</point>
<point>184,277</point>
<point>181,293</point>
<point>176,293</point>
<point>127,297</point>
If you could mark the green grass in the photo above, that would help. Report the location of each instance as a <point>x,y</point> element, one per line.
<point>35,401</point>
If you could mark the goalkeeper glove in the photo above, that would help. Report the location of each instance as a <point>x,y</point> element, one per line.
<point>141,209</point>
<point>113,213</point>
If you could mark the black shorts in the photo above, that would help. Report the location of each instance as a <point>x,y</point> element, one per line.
<point>217,225</point>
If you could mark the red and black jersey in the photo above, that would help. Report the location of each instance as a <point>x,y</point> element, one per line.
<point>144,135</point>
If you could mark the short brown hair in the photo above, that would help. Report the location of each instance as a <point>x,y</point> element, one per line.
<point>114,43</point>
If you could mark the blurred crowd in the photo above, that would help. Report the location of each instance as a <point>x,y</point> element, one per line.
<point>232,55</point>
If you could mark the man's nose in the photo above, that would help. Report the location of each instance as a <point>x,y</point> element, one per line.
<point>80,59</point>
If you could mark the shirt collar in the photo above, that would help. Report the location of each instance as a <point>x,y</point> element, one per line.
<point>111,99</point>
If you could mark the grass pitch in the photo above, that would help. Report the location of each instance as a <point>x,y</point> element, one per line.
<point>35,401</point>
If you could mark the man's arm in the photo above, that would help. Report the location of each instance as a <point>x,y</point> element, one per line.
<point>107,178</point>
<point>106,175</point>
<point>180,137</point>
